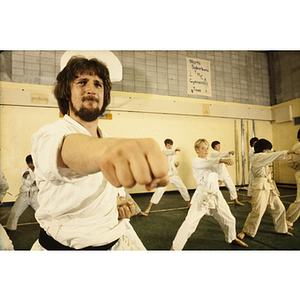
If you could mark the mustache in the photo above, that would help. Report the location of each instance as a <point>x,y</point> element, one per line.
<point>90,98</point>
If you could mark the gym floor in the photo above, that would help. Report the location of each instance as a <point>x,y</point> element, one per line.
<point>158,230</point>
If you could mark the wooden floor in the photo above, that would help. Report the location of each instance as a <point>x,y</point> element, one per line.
<point>159,229</point>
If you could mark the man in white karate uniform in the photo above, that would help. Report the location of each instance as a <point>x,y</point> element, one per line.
<point>79,169</point>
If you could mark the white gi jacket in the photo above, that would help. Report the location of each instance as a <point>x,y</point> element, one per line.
<point>3,187</point>
<point>76,210</point>
<point>261,171</point>
<point>206,177</point>
<point>171,155</point>
<point>28,187</point>
<point>223,172</point>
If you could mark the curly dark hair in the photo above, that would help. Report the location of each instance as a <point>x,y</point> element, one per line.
<point>75,67</point>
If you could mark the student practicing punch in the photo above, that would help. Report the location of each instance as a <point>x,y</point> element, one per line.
<point>80,169</point>
<point>265,195</point>
<point>250,174</point>
<point>293,161</point>
<point>207,199</point>
<point>173,175</point>
<point>223,173</point>
<point>27,196</point>
<point>5,241</point>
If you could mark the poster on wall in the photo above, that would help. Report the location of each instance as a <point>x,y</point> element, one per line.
<point>198,77</point>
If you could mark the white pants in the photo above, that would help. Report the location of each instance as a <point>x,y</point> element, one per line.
<point>251,179</point>
<point>293,211</point>
<point>225,177</point>
<point>177,182</point>
<point>265,200</point>
<point>5,242</point>
<point>221,213</point>
<point>22,202</point>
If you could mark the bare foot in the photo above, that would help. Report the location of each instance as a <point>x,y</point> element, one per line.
<point>141,213</point>
<point>172,249</point>
<point>240,243</point>
<point>241,235</point>
<point>286,233</point>
<point>237,202</point>
<point>290,227</point>
<point>189,204</point>
<point>249,199</point>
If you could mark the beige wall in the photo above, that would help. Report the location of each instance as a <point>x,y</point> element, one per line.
<point>133,115</point>
<point>284,137</point>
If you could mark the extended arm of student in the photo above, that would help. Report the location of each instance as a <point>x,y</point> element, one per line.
<point>220,155</point>
<point>264,159</point>
<point>124,162</point>
<point>226,161</point>
<point>295,151</point>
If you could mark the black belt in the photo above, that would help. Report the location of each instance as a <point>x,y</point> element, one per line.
<point>50,243</point>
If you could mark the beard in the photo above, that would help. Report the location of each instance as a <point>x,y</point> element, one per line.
<point>86,114</point>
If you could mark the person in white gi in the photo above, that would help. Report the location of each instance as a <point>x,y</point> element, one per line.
<point>207,199</point>
<point>293,211</point>
<point>5,241</point>
<point>223,172</point>
<point>27,196</point>
<point>250,174</point>
<point>80,170</point>
<point>265,195</point>
<point>173,176</point>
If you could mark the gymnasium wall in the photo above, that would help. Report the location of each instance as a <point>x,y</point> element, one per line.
<point>152,101</point>
<point>284,71</point>
<point>236,76</point>
<point>24,110</point>
<point>285,136</point>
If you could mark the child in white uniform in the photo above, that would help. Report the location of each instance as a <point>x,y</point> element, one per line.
<point>293,211</point>
<point>5,242</point>
<point>207,199</point>
<point>265,195</point>
<point>223,173</point>
<point>250,174</point>
<point>173,176</point>
<point>27,196</point>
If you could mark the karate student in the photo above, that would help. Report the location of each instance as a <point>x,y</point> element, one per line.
<point>223,172</point>
<point>250,175</point>
<point>173,176</point>
<point>129,231</point>
<point>207,199</point>
<point>293,211</point>
<point>27,196</point>
<point>79,168</point>
<point>265,195</point>
<point>5,242</point>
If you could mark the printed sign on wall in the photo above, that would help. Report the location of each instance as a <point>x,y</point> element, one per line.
<point>198,77</point>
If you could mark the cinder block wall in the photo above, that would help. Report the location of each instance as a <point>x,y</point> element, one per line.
<point>236,76</point>
<point>284,75</point>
